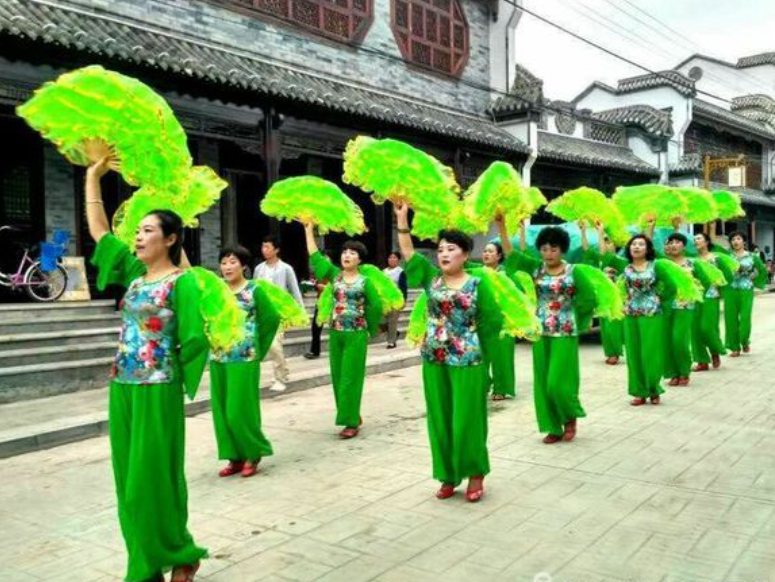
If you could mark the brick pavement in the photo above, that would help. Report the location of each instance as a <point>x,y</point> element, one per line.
<point>680,492</point>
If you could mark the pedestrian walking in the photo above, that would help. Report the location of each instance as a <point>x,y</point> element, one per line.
<point>277,271</point>
<point>398,276</point>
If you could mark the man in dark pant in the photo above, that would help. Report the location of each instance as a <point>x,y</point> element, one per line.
<point>317,330</point>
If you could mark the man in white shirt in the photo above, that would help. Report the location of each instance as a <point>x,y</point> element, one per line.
<point>281,274</point>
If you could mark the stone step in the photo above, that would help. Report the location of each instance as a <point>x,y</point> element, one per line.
<point>57,323</point>
<point>32,426</point>
<point>59,338</point>
<point>31,311</point>
<point>58,353</point>
<point>40,380</point>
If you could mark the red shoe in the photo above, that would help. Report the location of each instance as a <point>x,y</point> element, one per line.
<point>612,360</point>
<point>498,397</point>
<point>184,573</point>
<point>654,399</point>
<point>674,382</point>
<point>747,349</point>
<point>550,439</point>
<point>702,367</point>
<point>446,491</point>
<point>716,359</point>
<point>570,431</point>
<point>232,468</point>
<point>250,468</point>
<point>735,354</point>
<point>348,433</point>
<point>475,489</point>
<point>683,381</point>
<point>637,402</point>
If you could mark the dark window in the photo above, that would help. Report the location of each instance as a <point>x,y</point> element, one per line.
<point>344,20</point>
<point>431,33</point>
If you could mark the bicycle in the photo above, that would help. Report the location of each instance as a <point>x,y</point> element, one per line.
<point>45,279</point>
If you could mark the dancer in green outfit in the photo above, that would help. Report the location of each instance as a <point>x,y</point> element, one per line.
<point>611,330</point>
<point>235,374</point>
<point>356,316</point>
<point>707,346</point>
<point>567,299</point>
<point>162,354</point>
<point>501,352</point>
<point>462,318</point>
<point>738,299</point>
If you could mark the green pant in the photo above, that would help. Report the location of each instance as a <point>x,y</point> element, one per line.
<point>706,337</point>
<point>678,342</point>
<point>612,334</point>
<point>147,441</point>
<point>738,310</point>
<point>456,402</point>
<point>234,395</point>
<point>556,383</point>
<point>643,339</point>
<point>500,353</point>
<point>347,356</point>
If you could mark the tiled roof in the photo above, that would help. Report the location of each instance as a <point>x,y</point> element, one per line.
<point>526,91</point>
<point>764,102</point>
<point>563,148</point>
<point>650,119</point>
<point>688,164</point>
<point>755,60</point>
<point>115,39</point>
<point>678,81</point>
<point>748,195</point>
<point>733,119</point>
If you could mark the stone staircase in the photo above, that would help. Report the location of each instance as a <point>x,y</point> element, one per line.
<point>51,349</point>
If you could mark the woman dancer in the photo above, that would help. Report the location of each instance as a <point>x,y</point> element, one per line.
<point>356,317</point>
<point>707,346</point>
<point>162,354</point>
<point>235,374</point>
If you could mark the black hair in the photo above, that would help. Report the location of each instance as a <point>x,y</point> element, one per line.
<point>170,223</point>
<point>706,237</point>
<point>273,239</point>
<point>395,254</point>
<point>739,233</point>
<point>358,247</point>
<point>499,248</point>
<point>458,238</point>
<point>680,237</point>
<point>650,252</point>
<point>239,252</point>
<point>554,237</point>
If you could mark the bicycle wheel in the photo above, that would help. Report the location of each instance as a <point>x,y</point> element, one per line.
<point>45,287</point>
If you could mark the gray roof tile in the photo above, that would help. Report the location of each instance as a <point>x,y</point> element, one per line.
<point>650,119</point>
<point>563,148</point>
<point>733,119</point>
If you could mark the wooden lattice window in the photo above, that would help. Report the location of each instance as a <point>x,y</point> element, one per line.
<point>431,33</point>
<point>343,20</point>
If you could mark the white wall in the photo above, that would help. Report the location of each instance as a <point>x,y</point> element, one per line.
<point>727,81</point>
<point>502,45</point>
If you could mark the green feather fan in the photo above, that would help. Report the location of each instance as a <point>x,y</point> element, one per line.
<point>728,204</point>
<point>728,265</point>
<point>427,226</point>
<point>608,300</point>
<point>532,200</point>
<point>291,313</point>
<point>710,273</point>
<point>685,286</point>
<point>89,112</point>
<point>224,319</point>
<point>519,312</point>
<point>310,199</point>
<point>637,202</point>
<point>496,192</point>
<point>389,294</point>
<point>325,305</point>
<point>526,284</point>
<point>700,205</point>
<point>393,170</point>
<point>418,321</point>
<point>591,205</point>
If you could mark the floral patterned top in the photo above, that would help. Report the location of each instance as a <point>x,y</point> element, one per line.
<point>555,302</point>
<point>147,344</point>
<point>712,292</point>
<point>743,280</point>
<point>245,351</point>
<point>349,304</point>
<point>451,334</point>
<point>642,297</point>
<point>688,266</point>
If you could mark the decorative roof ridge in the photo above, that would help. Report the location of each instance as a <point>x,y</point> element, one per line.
<point>765,58</point>
<point>655,121</point>
<point>674,79</point>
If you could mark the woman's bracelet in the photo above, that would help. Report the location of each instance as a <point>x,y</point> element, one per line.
<point>100,202</point>
<point>403,230</point>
